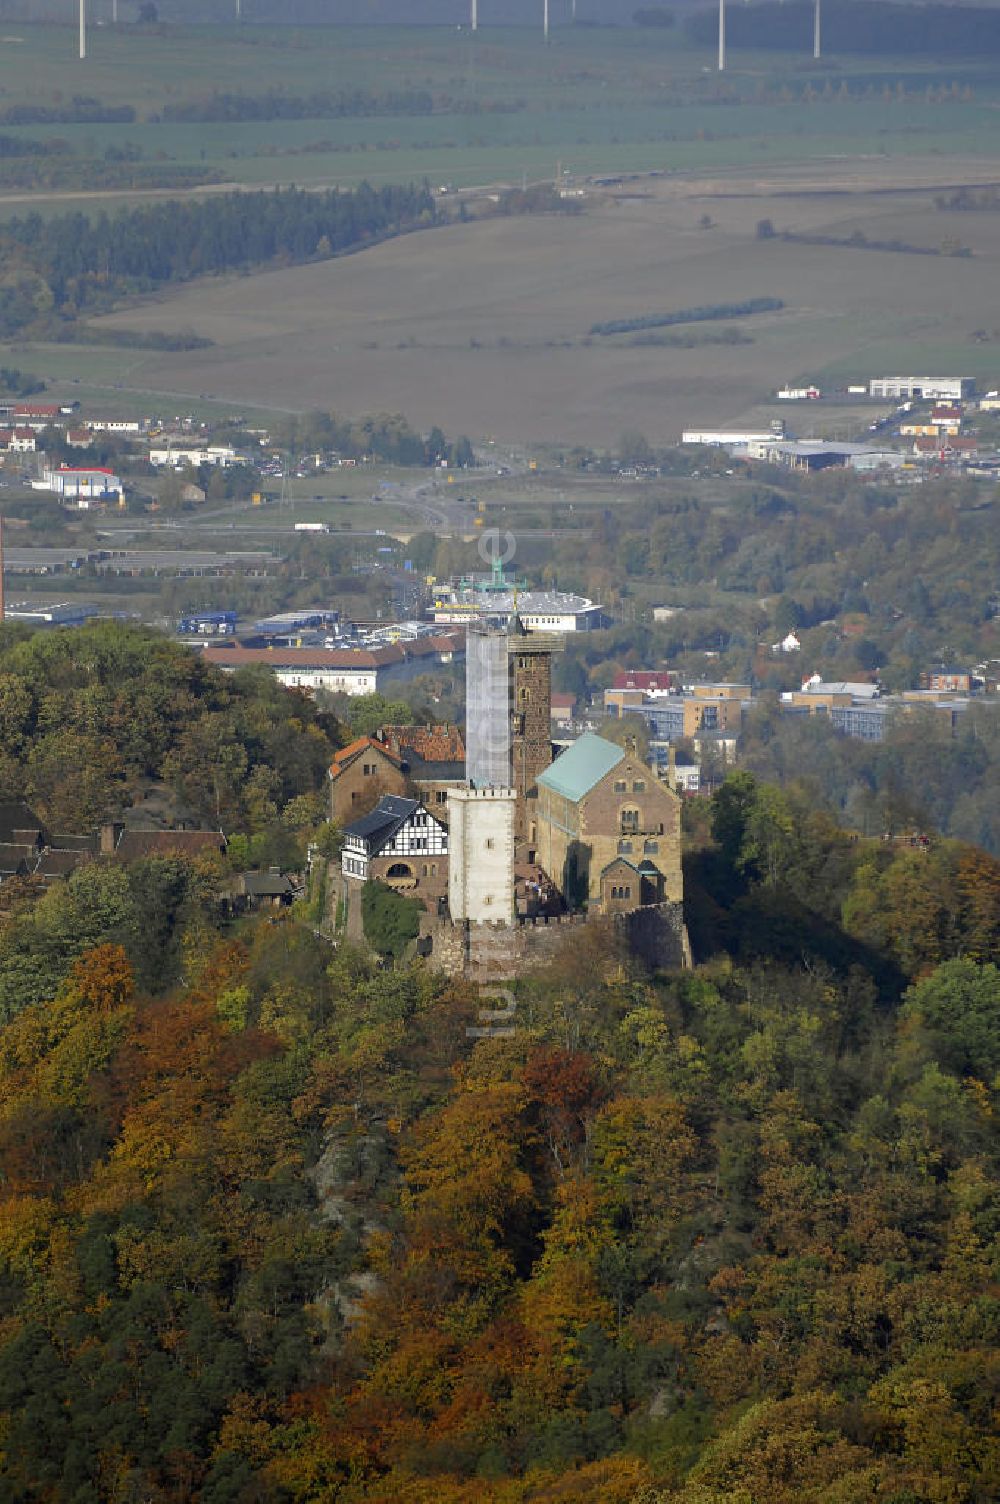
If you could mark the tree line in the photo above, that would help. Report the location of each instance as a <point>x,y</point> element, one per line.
<point>696,315</point>
<point>320,104</point>
<point>71,261</point>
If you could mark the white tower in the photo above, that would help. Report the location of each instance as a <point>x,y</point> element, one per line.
<point>475,15</point>
<point>481,855</point>
<point>816,31</point>
<point>83,29</point>
<point>722,36</point>
<point>545,18</point>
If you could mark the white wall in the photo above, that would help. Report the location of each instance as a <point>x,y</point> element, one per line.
<point>481,861</point>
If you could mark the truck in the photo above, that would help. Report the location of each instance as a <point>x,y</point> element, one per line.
<point>312,527</point>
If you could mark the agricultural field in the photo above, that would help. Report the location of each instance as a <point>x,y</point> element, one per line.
<point>483,325</point>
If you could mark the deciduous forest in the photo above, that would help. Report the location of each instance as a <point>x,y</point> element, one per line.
<point>273,1228</point>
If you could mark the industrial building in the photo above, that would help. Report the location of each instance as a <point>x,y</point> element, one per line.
<point>83,486</point>
<point>926,388</point>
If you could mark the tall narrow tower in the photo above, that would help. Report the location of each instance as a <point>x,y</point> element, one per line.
<point>530,660</point>
<point>3,603</point>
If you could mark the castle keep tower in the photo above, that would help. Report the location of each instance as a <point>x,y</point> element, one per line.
<point>530,690</point>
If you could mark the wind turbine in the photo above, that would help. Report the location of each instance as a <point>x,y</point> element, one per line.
<point>545,19</point>
<point>475,15</point>
<point>722,36</point>
<point>816,31</point>
<point>83,29</point>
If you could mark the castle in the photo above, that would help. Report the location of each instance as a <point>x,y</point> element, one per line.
<point>530,847</point>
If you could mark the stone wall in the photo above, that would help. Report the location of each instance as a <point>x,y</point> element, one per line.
<point>493,953</point>
<point>657,935</point>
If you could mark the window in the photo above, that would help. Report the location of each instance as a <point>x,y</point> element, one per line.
<point>490,843</point>
<point>368,769</point>
<point>488,898</point>
<point>424,872</point>
<point>630,820</point>
<point>639,786</point>
<point>440,796</point>
<point>651,847</point>
<point>620,786</point>
<point>625,848</point>
<point>628,891</point>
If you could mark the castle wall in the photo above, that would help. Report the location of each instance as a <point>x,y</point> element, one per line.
<point>490,954</point>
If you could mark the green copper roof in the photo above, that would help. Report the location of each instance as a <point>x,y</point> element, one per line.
<point>581,766</point>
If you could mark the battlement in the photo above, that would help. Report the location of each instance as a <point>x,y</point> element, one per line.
<point>468,792</point>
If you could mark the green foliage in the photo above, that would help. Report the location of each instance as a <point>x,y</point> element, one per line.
<point>367,714</point>
<point>90,716</point>
<point>391,920</point>
<point>957,1012</point>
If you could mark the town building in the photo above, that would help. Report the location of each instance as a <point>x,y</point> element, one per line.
<point>631,690</point>
<point>18,440</point>
<point>563,708</point>
<point>177,456</point>
<point>944,680</point>
<point>348,671</point>
<point>360,775</point>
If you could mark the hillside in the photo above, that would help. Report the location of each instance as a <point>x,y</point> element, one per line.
<point>273,1228</point>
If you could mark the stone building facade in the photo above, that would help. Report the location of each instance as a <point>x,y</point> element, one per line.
<point>360,775</point>
<point>596,805</point>
<point>530,676</point>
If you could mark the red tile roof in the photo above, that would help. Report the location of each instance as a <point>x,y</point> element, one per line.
<point>353,750</point>
<point>357,658</point>
<point>432,743</point>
